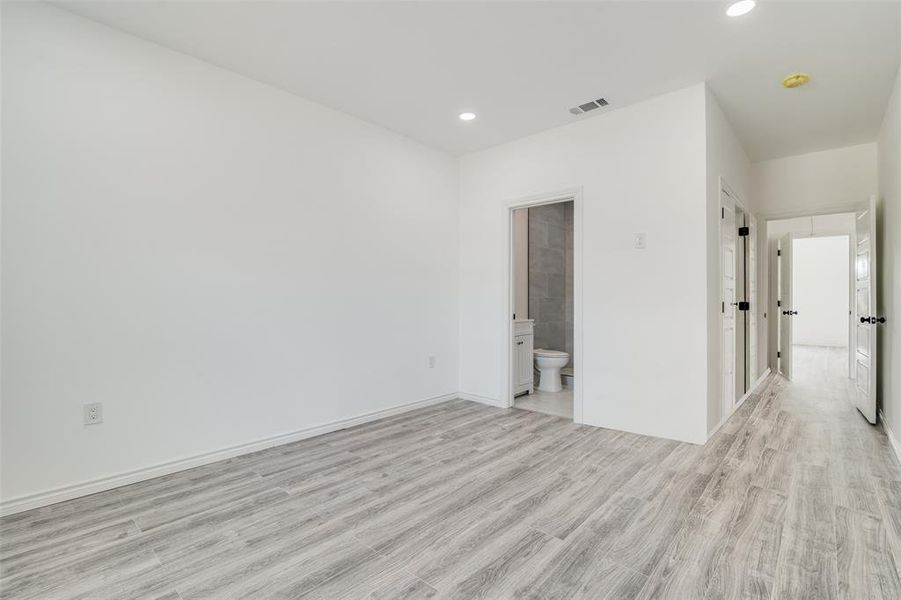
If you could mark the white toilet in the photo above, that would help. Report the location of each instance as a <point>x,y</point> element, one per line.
<point>549,363</point>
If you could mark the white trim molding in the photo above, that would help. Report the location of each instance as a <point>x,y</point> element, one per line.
<point>482,400</point>
<point>574,195</point>
<point>61,494</point>
<point>754,387</point>
<point>892,440</point>
<point>741,401</point>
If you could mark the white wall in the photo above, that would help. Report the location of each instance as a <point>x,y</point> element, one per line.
<point>726,160</point>
<point>813,226</point>
<point>641,169</point>
<point>889,267</point>
<point>820,291</point>
<point>829,181</point>
<point>213,259</point>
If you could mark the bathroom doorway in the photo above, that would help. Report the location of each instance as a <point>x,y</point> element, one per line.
<point>543,318</point>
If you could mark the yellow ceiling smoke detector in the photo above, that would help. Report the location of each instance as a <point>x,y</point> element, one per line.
<point>795,80</point>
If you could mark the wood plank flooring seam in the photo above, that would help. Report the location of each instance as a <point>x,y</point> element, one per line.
<point>387,556</point>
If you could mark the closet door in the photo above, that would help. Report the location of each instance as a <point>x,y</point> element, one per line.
<point>728,257</point>
<point>753,310</point>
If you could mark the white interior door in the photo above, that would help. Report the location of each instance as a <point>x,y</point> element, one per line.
<point>773,311</point>
<point>865,318</point>
<point>752,299</point>
<point>784,304</point>
<point>727,249</point>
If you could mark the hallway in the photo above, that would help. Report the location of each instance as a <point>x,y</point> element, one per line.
<point>821,515</point>
<point>840,483</point>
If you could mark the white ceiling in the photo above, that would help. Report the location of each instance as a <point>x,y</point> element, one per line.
<point>412,67</point>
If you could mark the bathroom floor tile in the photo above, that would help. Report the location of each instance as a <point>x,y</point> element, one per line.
<point>559,404</point>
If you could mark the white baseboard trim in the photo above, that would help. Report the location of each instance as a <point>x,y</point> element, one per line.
<point>753,390</point>
<point>61,494</point>
<point>892,440</point>
<point>717,428</point>
<point>754,387</point>
<point>741,401</point>
<point>482,400</point>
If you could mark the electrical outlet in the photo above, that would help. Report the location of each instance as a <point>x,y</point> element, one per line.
<point>93,413</point>
<point>432,361</point>
<point>641,241</point>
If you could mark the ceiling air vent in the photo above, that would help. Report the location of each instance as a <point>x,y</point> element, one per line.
<point>584,108</point>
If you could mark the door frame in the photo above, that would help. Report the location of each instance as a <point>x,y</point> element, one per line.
<point>573,195</point>
<point>769,279</point>
<point>727,405</point>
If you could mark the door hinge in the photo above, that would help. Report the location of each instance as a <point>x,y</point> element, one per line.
<point>723,308</point>
<point>778,252</point>
<point>722,212</point>
<point>778,302</point>
<point>778,355</point>
<point>744,306</point>
<point>744,231</point>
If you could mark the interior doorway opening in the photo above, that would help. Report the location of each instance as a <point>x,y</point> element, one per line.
<point>544,314</point>
<point>822,301</point>
<point>811,295</point>
<point>821,293</point>
<point>738,268</point>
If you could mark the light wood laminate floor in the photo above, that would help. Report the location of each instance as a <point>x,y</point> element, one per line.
<point>824,365</point>
<point>795,497</point>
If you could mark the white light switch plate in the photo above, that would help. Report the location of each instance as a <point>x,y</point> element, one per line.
<point>641,241</point>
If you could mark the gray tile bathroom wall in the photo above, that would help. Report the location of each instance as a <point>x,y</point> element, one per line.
<point>551,275</point>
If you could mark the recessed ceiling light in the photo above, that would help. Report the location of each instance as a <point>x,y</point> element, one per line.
<point>742,7</point>
<point>795,80</point>
<point>467,116</point>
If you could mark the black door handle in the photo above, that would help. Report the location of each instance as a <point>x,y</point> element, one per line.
<point>872,320</point>
<point>789,313</point>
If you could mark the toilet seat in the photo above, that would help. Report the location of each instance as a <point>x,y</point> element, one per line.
<point>550,353</point>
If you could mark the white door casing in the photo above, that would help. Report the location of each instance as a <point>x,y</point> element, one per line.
<point>510,375</point>
<point>865,317</point>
